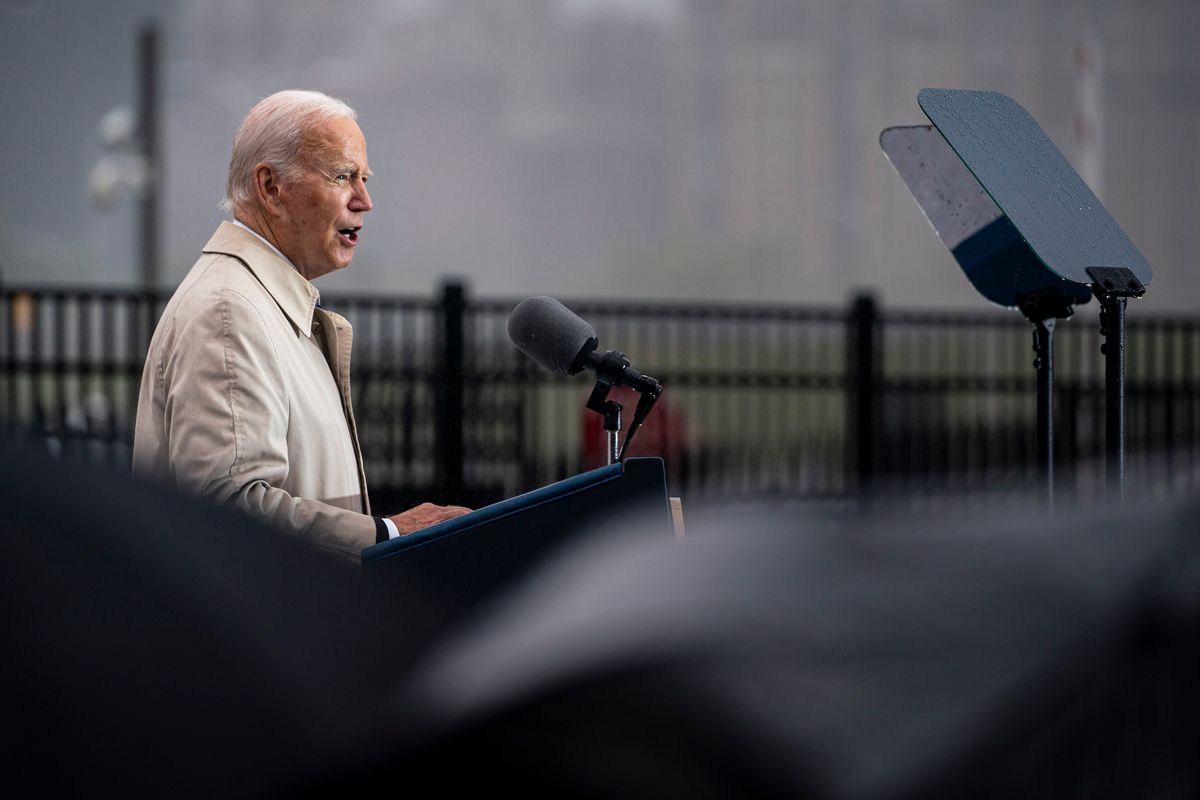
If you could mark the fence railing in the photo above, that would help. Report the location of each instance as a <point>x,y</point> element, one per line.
<point>793,402</point>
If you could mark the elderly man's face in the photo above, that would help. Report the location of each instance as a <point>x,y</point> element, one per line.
<point>324,204</point>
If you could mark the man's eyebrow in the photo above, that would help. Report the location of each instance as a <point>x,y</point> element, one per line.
<point>350,166</point>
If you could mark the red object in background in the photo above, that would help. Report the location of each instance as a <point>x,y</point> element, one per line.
<point>663,434</point>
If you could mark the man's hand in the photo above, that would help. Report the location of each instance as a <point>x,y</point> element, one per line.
<point>424,515</point>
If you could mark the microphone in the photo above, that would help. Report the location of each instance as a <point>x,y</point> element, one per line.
<point>559,341</point>
<point>551,334</point>
<point>563,343</point>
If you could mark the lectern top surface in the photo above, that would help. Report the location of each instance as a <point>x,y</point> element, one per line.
<point>1013,159</point>
<point>996,259</point>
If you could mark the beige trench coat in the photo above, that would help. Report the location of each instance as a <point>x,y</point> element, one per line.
<point>245,397</point>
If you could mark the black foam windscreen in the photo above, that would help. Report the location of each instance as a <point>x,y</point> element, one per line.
<point>551,334</point>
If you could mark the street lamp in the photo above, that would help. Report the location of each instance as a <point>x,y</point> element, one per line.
<point>132,162</point>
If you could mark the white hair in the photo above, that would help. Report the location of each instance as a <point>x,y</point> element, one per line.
<point>272,133</point>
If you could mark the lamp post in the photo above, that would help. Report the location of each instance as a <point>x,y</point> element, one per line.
<point>132,160</point>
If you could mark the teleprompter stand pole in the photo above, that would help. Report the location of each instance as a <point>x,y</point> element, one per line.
<point>1042,309</point>
<point>1043,346</point>
<point>1113,286</point>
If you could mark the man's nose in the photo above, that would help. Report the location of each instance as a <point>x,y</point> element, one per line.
<point>361,199</point>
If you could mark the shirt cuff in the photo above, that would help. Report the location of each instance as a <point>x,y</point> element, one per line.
<point>385,529</point>
<point>392,530</point>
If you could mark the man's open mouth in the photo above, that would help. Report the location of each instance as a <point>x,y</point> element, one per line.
<point>350,235</point>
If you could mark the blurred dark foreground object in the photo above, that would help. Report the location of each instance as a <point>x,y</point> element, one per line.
<point>156,646</point>
<point>986,656</point>
<point>153,646</point>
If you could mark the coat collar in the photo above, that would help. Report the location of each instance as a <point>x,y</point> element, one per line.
<point>291,290</point>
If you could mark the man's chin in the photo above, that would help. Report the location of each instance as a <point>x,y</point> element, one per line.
<point>343,257</point>
<point>330,266</point>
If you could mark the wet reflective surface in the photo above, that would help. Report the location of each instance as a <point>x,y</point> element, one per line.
<point>1031,182</point>
<point>988,247</point>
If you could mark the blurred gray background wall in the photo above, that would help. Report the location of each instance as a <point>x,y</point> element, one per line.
<point>654,148</point>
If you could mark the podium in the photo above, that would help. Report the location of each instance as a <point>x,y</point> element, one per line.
<point>466,559</point>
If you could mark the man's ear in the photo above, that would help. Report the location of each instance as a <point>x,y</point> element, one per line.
<point>266,186</point>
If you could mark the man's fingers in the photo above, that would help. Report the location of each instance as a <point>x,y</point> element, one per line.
<point>424,515</point>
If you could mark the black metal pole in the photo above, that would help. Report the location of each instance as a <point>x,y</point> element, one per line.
<point>1112,327</point>
<point>612,431</point>
<point>1113,286</point>
<point>148,222</point>
<point>861,370</point>
<point>1043,346</point>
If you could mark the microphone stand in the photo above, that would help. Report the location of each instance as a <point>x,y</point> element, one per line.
<point>612,369</point>
<point>611,410</point>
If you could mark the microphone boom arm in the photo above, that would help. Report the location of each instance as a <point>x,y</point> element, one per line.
<point>612,369</point>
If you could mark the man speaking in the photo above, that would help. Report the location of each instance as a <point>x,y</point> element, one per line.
<point>245,396</point>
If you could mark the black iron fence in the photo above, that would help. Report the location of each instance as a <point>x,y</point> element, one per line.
<point>760,400</point>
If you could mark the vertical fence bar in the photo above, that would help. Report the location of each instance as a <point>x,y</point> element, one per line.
<point>1189,398</point>
<point>861,372</point>
<point>10,410</point>
<point>58,328</point>
<point>110,372</point>
<point>449,413</point>
<point>36,363</point>
<point>135,349</point>
<point>83,368</point>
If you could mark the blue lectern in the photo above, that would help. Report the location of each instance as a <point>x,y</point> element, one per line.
<point>462,560</point>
